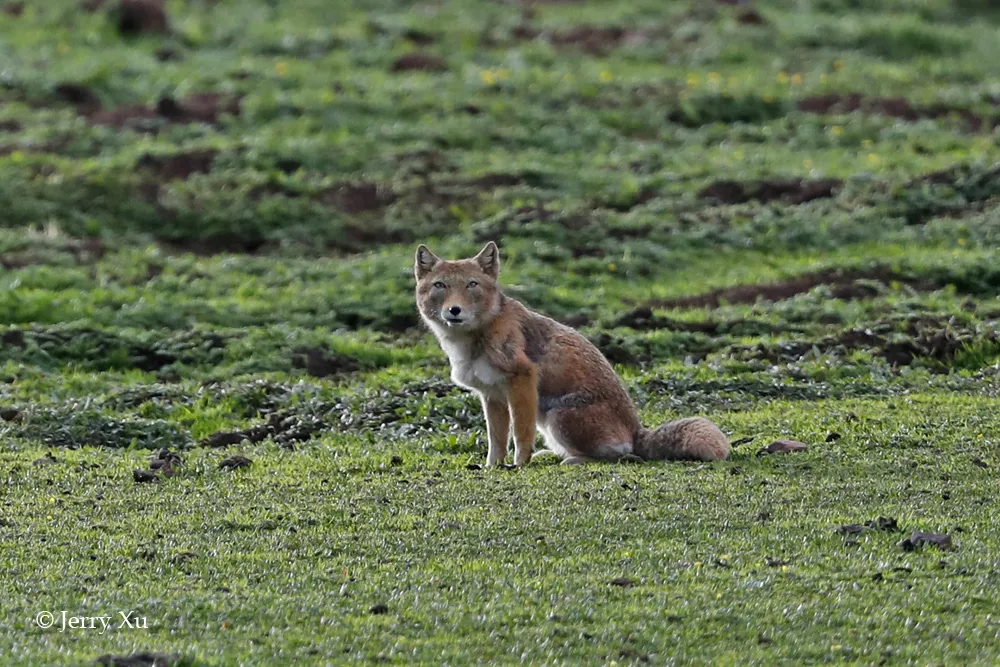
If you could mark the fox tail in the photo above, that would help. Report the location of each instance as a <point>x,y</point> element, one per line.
<point>691,439</point>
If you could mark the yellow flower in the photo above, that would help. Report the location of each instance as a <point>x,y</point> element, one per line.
<point>489,77</point>
<point>718,596</point>
<point>836,130</point>
<point>784,568</point>
<point>612,267</point>
<point>866,143</point>
<point>49,517</point>
<point>693,80</point>
<point>836,647</point>
<point>782,77</point>
<point>796,79</point>
<point>697,563</point>
<point>606,76</point>
<point>281,68</point>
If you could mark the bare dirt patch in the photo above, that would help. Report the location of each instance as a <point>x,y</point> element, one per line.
<point>595,40</point>
<point>178,166</point>
<point>359,197</point>
<point>284,428</point>
<point>792,191</point>
<point>843,283</point>
<point>894,107</point>
<point>143,659</point>
<point>197,108</point>
<point>930,339</point>
<point>643,319</point>
<point>85,251</point>
<point>217,244</point>
<point>142,17</point>
<point>424,62</point>
<point>321,363</point>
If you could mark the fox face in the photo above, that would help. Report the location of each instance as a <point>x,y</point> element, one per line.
<point>459,295</point>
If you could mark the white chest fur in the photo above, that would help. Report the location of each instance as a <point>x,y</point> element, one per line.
<point>471,370</point>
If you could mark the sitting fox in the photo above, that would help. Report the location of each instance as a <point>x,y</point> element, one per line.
<point>533,371</point>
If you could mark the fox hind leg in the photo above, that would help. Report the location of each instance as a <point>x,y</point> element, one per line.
<point>590,433</point>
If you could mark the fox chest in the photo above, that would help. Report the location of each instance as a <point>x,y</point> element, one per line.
<point>476,372</point>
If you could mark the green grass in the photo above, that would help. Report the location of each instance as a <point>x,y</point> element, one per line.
<point>177,284</point>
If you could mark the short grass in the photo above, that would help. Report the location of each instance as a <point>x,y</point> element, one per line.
<point>782,216</point>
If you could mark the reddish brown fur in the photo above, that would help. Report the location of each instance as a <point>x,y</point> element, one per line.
<point>530,370</point>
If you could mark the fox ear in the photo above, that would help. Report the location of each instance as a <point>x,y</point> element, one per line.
<point>424,262</point>
<point>489,259</point>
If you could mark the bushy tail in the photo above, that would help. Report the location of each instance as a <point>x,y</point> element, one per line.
<point>691,439</point>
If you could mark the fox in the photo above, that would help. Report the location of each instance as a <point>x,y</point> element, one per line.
<point>534,374</point>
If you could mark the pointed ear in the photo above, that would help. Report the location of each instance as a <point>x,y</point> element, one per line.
<point>489,259</point>
<point>424,262</point>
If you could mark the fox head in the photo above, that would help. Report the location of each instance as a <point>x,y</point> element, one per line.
<point>458,295</point>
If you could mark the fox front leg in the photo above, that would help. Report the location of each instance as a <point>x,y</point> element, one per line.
<point>523,410</point>
<point>497,430</point>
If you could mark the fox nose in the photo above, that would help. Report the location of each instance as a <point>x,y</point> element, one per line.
<point>455,310</point>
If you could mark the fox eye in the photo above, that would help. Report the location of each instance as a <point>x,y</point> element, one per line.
<point>472,283</point>
<point>440,285</point>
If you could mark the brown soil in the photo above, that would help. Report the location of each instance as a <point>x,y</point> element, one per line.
<point>200,107</point>
<point>751,17</point>
<point>142,17</point>
<point>284,428</point>
<point>143,659</point>
<point>419,61</point>
<point>167,55</point>
<point>793,191</point>
<point>895,107</point>
<point>844,284</point>
<point>643,319</point>
<point>216,244</point>
<point>321,363</point>
<point>84,99</point>
<point>595,40</point>
<point>418,37</point>
<point>14,338</point>
<point>356,198</point>
<point>235,462</point>
<point>87,251</point>
<point>929,338</point>
<point>197,108</point>
<point>179,166</point>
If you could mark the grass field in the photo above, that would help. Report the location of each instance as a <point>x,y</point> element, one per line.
<point>780,215</point>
